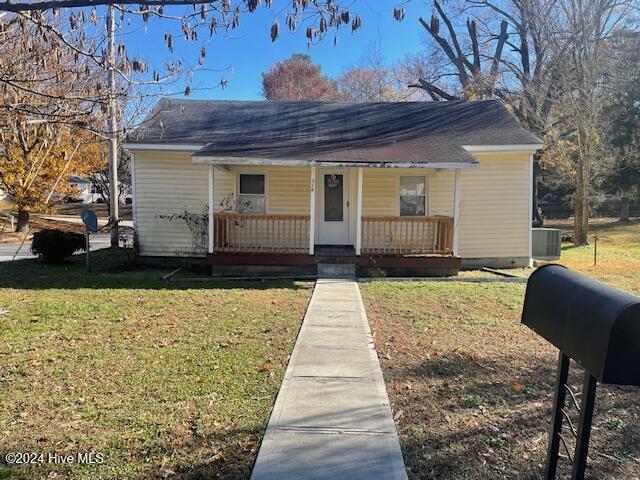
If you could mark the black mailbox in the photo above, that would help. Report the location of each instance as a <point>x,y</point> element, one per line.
<point>593,324</point>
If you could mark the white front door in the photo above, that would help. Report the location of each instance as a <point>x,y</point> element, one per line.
<point>333,207</point>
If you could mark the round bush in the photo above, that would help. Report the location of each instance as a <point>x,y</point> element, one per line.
<point>53,246</point>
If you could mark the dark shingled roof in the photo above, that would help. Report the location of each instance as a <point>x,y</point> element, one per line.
<point>398,132</point>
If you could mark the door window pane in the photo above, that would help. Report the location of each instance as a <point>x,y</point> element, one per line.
<point>413,198</point>
<point>251,198</point>
<point>333,198</point>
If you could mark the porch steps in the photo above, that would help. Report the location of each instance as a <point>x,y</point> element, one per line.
<point>336,270</point>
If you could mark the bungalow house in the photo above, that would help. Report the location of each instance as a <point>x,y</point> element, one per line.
<point>401,187</point>
<point>85,190</point>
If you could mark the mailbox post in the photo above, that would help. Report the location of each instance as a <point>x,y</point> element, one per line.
<point>91,225</point>
<point>599,328</point>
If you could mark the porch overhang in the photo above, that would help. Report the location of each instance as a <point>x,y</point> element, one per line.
<point>284,162</point>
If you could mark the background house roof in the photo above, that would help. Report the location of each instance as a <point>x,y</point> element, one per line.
<point>398,132</point>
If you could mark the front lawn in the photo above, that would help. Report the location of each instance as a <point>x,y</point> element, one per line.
<point>471,389</point>
<point>165,381</point>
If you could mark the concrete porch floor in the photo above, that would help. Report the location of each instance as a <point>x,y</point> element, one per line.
<point>332,417</point>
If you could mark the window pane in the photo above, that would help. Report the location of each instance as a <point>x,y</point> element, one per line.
<point>251,203</point>
<point>412,185</point>
<point>333,198</point>
<point>412,206</point>
<point>251,184</point>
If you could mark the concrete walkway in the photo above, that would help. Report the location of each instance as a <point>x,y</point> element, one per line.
<point>332,419</point>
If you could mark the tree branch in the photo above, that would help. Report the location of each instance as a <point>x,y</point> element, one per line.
<point>462,73</point>
<point>473,34</point>
<point>432,89</point>
<point>23,6</point>
<point>502,38</point>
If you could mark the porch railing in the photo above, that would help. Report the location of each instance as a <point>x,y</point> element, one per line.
<point>251,233</point>
<point>407,235</point>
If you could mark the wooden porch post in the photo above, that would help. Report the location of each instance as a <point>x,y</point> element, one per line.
<point>456,212</point>
<point>312,210</point>
<point>211,219</point>
<point>359,214</point>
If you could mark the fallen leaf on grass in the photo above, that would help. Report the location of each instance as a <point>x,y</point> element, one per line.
<point>166,472</point>
<point>517,387</point>
<point>249,446</point>
<point>266,366</point>
<point>398,415</point>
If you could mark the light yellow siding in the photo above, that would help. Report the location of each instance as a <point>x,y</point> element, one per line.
<point>494,213</point>
<point>224,189</point>
<point>495,208</point>
<point>289,190</point>
<point>441,185</point>
<point>168,184</point>
<point>380,190</point>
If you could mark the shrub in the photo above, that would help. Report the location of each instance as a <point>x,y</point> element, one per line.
<point>53,246</point>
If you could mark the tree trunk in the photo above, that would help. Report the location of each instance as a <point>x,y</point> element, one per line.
<point>22,225</point>
<point>581,205</point>
<point>624,210</point>
<point>536,220</point>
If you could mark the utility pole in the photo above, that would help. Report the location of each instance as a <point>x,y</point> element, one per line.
<point>113,127</point>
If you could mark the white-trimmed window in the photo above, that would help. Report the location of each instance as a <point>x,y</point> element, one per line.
<point>412,194</point>
<point>251,192</point>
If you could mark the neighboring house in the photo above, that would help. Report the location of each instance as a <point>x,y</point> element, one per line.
<point>407,187</point>
<point>86,191</point>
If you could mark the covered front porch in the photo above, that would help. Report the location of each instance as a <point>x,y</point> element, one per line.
<point>390,219</point>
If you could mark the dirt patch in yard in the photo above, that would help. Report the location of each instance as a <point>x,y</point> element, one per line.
<point>471,389</point>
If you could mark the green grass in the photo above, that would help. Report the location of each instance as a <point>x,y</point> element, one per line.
<point>471,388</point>
<point>163,380</point>
<point>618,254</point>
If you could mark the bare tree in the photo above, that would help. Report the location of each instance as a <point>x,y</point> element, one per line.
<point>372,79</point>
<point>589,27</point>
<point>623,124</point>
<point>548,60</point>
<point>466,62</point>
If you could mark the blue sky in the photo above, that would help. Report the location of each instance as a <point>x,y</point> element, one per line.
<point>246,52</point>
